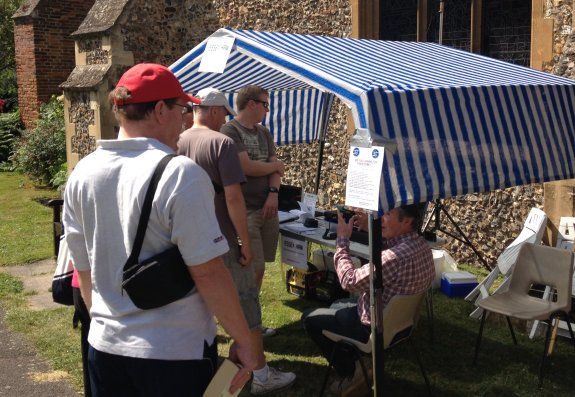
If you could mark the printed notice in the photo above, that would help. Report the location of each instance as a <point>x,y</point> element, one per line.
<point>363,177</point>
<point>294,252</point>
<point>216,54</point>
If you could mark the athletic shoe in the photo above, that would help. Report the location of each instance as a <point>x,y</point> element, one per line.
<point>276,380</point>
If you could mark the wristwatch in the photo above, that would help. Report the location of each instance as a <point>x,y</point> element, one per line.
<point>273,189</point>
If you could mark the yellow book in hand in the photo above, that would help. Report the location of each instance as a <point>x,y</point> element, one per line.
<point>220,384</point>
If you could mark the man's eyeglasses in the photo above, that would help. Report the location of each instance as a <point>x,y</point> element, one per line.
<point>185,108</point>
<point>265,104</point>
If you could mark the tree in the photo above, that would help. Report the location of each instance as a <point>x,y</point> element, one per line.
<point>8,84</point>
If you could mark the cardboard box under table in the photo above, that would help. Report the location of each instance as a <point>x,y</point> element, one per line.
<point>457,284</point>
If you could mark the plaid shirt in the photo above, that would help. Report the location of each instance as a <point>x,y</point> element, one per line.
<point>408,268</point>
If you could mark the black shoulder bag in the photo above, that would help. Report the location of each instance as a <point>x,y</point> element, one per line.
<point>163,278</point>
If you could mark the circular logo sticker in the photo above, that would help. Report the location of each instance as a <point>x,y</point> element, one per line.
<point>375,153</point>
<point>356,151</point>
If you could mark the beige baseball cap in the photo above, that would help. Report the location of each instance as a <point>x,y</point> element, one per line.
<point>213,97</point>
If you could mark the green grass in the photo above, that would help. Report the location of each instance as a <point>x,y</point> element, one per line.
<point>503,369</point>
<point>25,224</point>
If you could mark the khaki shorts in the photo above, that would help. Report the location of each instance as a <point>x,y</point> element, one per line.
<point>264,235</point>
<point>245,281</point>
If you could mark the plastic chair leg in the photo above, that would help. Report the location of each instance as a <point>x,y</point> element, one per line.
<point>545,348</point>
<point>324,384</point>
<point>511,329</point>
<point>478,343</point>
<point>429,306</point>
<point>418,358</point>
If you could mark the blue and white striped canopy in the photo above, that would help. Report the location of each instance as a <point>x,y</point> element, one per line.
<point>462,122</point>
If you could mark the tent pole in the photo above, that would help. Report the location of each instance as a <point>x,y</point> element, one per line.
<point>375,292</point>
<point>323,133</point>
<point>319,163</point>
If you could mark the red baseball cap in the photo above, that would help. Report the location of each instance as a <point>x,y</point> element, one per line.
<point>149,82</point>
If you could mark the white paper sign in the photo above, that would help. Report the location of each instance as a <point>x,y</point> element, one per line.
<point>216,54</point>
<point>363,177</point>
<point>294,252</point>
<point>308,203</point>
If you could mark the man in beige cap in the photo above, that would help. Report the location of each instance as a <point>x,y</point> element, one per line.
<point>170,350</point>
<point>217,154</point>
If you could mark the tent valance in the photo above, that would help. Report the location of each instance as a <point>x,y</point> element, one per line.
<point>462,122</point>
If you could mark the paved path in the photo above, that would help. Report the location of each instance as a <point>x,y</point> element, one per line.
<point>22,372</point>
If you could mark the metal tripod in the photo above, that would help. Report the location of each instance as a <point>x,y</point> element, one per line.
<point>438,208</point>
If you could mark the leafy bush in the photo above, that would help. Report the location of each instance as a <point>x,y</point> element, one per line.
<point>10,128</point>
<point>41,152</point>
<point>60,178</point>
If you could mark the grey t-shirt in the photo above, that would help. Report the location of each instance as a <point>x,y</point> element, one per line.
<point>218,156</point>
<point>259,145</point>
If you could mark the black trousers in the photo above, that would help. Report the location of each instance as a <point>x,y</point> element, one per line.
<point>82,316</point>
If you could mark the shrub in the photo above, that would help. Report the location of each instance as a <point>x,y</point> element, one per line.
<point>10,129</point>
<point>41,152</point>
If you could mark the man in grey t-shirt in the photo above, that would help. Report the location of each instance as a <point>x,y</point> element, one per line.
<point>263,171</point>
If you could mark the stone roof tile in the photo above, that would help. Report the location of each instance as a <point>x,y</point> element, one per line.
<point>85,76</point>
<point>26,8</point>
<point>101,17</point>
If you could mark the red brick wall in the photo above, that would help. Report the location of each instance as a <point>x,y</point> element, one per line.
<point>45,52</point>
<point>26,71</point>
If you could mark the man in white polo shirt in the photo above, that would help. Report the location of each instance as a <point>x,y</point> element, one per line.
<point>170,350</point>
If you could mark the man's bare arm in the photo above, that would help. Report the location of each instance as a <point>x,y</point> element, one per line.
<point>215,286</point>
<point>85,281</point>
<point>260,168</point>
<point>237,210</point>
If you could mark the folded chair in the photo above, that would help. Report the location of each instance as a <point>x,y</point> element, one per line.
<point>532,232</point>
<point>400,317</point>
<point>535,265</point>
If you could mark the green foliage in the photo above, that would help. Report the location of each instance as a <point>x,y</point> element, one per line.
<point>10,128</point>
<point>8,85</point>
<point>60,178</point>
<point>41,152</point>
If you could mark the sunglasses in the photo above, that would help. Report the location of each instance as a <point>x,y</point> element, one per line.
<point>185,108</point>
<point>265,104</point>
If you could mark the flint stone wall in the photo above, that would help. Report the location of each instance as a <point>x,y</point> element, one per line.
<point>490,220</point>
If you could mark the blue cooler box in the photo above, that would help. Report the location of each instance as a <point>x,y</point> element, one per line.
<point>457,284</point>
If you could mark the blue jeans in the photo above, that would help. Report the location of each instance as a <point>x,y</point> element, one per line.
<point>341,318</point>
<point>118,376</point>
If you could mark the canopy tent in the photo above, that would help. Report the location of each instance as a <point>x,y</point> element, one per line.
<point>462,122</point>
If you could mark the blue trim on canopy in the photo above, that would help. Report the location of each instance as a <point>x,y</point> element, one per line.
<point>456,132</point>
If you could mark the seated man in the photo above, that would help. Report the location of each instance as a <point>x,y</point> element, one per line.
<point>407,268</point>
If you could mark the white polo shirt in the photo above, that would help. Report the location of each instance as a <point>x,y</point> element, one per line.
<point>103,201</point>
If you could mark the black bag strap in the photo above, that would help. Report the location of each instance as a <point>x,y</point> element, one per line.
<point>146,210</point>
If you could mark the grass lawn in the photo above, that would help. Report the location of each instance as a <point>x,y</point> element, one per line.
<point>503,369</point>
<point>25,224</point>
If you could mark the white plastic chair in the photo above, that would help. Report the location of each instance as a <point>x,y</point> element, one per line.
<point>565,239</point>
<point>540,265</point>
<point>532,232</point>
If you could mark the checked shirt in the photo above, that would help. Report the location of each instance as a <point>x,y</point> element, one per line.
<point>408,268</point>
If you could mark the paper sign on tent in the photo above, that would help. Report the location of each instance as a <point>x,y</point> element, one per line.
<point>216,54</point>
<point>363,177</point>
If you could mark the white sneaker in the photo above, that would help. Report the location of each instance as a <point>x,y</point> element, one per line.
<point>276,380</point>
